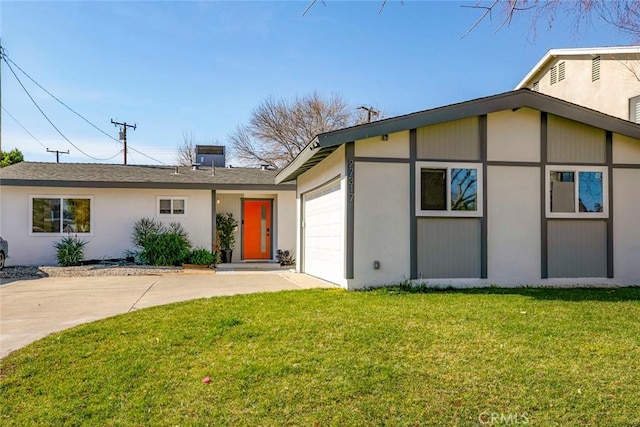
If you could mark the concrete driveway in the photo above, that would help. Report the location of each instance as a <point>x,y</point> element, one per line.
<point>33,309</point>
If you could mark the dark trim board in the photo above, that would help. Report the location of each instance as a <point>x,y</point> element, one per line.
<point>511,164</point>
<point>484,238</point>
<point>544,265</point>
<point>609,159</point>
<point>350,173</point>
<point>413,219</point>
<point>144,185</point>
<point>625,166</point>
<point>214,211</point>
<point>381,159</point>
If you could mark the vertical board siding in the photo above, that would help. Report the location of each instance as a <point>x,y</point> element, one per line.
<point>456,140</point>
<point>449,248</point>
<point>232,203</point>
<point>574,142</point>
<point>577,248</point>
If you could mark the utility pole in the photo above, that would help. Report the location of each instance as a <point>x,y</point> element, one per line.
<point>123,135</point>
<point>58,152</point>
<point>370,112</point>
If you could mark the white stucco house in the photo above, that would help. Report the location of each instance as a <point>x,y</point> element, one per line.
<point>605,79</point>
<point>519,188</point>
<point>41,202</point>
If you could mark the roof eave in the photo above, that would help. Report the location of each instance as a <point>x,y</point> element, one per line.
<point>143,185</point>
<point>553,53</point>
<point>330,141</point>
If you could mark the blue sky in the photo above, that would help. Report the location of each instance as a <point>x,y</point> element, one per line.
<point>201,67</point>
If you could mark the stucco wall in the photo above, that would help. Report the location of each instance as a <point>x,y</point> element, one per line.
<point>626,224</point>
<point>513,223</point>
<point>610,94</point>
<point>114,213</point>
<point>381,224</point>
<point>514,135</point>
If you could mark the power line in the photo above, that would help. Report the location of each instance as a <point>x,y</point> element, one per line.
<point>45,116</point>
<point>23,128</point>
<point>60,101</point>
<point>6,58</point>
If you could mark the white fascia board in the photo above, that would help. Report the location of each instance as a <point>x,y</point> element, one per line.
<point>553,53</point>
<point>300,160</point>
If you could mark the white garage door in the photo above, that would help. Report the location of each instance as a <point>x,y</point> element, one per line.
<point>323,241</point>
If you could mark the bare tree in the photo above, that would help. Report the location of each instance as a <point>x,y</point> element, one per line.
<point>186,151</point>
<point>622,14</point>
<point>279,129</point>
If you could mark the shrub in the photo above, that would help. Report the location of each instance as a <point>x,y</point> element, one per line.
<point>285,257</point>
<point>161,245</point>
<point>144,228</point>
<point>70,251</point>
<point>166,249</point>
<point>202,256</point>
<point>226,224</point>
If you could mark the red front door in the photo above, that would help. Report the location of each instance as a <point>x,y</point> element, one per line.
<point>256,236</point>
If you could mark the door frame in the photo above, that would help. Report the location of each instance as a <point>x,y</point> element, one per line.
<point>271,222</point>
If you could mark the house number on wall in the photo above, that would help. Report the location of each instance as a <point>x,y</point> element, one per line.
<point>350,175</point>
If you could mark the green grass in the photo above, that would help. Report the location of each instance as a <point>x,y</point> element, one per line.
<point>330,357</point>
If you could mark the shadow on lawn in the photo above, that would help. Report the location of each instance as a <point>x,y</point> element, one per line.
<point>560,294</point>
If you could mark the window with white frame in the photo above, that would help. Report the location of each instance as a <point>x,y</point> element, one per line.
<point>172,205</point>
<point>60,215</point>
<point>577,192</point>
<point>449,189</point>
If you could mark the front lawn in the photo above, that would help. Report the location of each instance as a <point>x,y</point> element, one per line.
<point>330,357</point>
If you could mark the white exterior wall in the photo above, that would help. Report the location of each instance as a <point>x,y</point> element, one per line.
<point>514,136</point>
<point>114,211</point>
<point>330,168</point>
<point>285,212</point>
<point>381,223</point>
<point>626,225</point>
<point>610,94</point>
<point>513,224</point>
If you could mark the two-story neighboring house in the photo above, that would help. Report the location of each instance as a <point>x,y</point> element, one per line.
<point>605,79</point>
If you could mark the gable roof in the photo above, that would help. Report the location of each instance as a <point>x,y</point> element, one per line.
<point>96,175</point>
<point>324,144</point>
<point>593,51</point>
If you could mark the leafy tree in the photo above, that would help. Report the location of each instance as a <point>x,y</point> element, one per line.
<point>279,129</point>
<point>10,157</point>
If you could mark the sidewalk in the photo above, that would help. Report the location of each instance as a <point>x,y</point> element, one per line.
<point>33,309</point>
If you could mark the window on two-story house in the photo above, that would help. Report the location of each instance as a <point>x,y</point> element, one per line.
<point>449,189</point>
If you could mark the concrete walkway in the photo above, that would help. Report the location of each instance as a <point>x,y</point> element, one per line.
<point>33,309</point>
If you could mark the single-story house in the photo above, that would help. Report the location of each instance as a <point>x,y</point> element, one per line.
<point>514,189</point>
<point>41,202</point>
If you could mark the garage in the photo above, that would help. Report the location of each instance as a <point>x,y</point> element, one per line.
<point>323,233</point>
